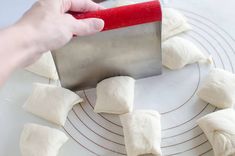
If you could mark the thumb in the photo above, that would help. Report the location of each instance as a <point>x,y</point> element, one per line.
<point>87,26</point>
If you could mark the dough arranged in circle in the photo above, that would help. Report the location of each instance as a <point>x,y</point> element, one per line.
<point>37,140</point>
<point>44,66</point>
<point>173,23</point>
<point>51,102</point>
<point>166,35</point>
<point>178,52</point>
<point>218,88</point>
<point>115,95</point>
<point>219,128</point>
<point>142,132</point>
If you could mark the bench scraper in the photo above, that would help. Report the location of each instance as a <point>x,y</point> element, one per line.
<point>129,44</point>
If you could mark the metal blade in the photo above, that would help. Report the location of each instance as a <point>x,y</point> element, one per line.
<point>134,51</point>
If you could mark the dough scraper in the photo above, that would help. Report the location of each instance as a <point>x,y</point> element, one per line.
<point>128,45</point>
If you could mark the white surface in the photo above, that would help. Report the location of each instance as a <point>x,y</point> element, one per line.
<point>172,93</point>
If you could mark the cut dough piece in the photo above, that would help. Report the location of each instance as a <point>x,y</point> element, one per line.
<point>218,88</point>
<point>219,128</point>
<point>39,140</point>
<point>142,132</point>
<point>178,52</point>
<point>115,95</point>
<point>51,102</point>
<point>45,67</point>
<point>173,23</point>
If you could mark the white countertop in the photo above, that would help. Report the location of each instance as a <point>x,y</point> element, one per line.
<point>172,93</point>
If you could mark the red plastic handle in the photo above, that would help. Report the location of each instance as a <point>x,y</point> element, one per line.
<point>124,16</point>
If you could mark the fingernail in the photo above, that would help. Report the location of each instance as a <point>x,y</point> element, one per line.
<point>98,24</point>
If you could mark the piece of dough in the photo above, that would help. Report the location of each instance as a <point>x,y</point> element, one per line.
<point>51,102</point>
<point>142,132</point>
<point>219,128</point>
<point>37,140</point>
<point>115,95</point>
<point>178,52</point>
<point>218,88</point>
<point>45,67</point>
<point>173,23</point>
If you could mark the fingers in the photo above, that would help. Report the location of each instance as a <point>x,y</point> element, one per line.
<point>84,6</point>
<point>87,26</point>
<point>83,27</point>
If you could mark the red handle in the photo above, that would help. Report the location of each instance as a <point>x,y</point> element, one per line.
<point>124,16</point>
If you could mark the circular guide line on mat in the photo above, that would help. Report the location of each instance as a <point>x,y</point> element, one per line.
<point>96,132</point>
<point>96,122</point>
<point>216,25</point>
<point>111,150</point>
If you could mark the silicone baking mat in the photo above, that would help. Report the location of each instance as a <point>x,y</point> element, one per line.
<point>173,94</point>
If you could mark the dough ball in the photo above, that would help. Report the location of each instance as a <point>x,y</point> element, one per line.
<point>45,67</point>
<point>173,23</point>
<point>39,140</point>
<point>178,52</point>
<point>219,128</point>
<point>115,95</point>
<point>218,88</point>
<point>142,132</point>
<point>51,102</point>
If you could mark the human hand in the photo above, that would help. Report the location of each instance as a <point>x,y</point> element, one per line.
<point>50,27</point>
<point>46,26</point>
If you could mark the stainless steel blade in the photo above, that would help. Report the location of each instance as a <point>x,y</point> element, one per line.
<point>134,51</point>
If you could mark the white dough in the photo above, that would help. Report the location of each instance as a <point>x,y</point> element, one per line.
<point>219,128</point>
<point>218,88</point>
<point>45,67</point>
<point>51,102</point>
<point>173,23</point>
<point>39,140</point>
<point>178,52</point>
<point>142,132</point>
<point>115,95</point>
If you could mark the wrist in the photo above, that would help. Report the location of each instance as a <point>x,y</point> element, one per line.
<point>17,49</point>
<point>21,43</point>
